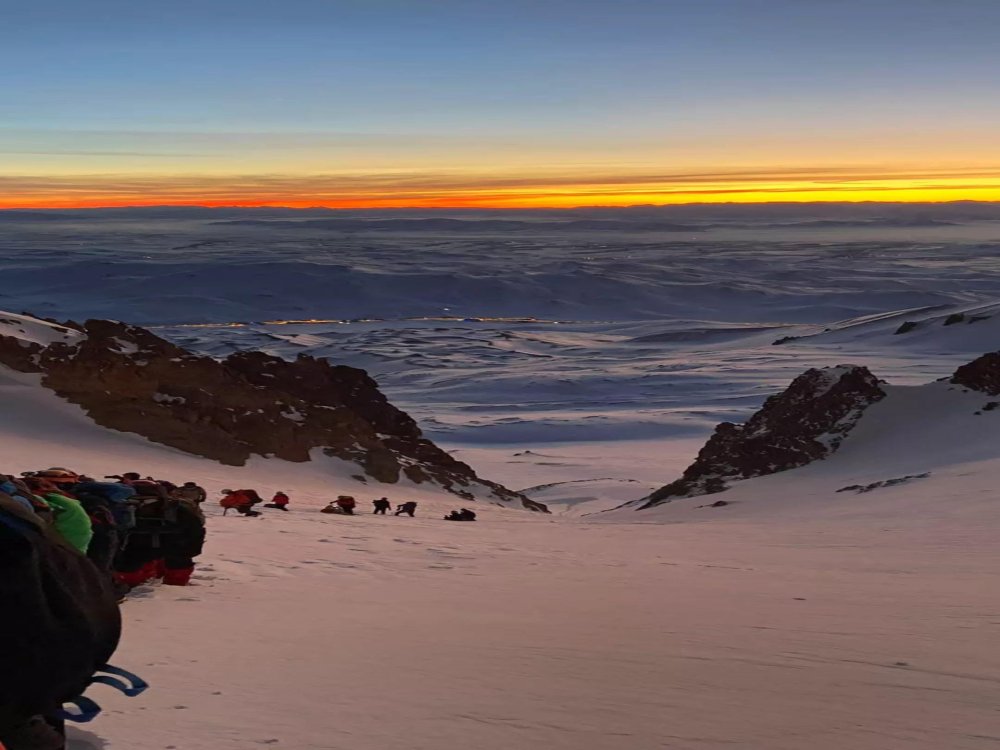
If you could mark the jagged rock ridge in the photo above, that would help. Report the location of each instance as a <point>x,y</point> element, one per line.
<point>804,423</point>
<point>981,374</point>
<point>128,379</point>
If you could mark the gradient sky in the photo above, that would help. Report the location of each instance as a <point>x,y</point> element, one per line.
<point>500,103</point>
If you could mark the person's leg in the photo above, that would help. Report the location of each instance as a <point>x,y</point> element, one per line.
<point>178,571</point>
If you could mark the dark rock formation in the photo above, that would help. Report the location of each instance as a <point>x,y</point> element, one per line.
<point>805,423</point>
<point>128,379</point>
<point>982,374</point>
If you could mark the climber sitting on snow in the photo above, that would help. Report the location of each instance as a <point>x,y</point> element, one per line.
<point>461,515</point>
<point>279,501</point>
<point>241,500</point>
<point>343,505</point>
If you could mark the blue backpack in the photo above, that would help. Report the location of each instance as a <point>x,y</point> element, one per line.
<point>116,496</point>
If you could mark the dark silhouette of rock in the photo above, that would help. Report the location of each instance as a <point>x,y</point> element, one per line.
<point>982,374</point>
<point>805,423</point>
<point>954,318</point>
<point>906,327</point>
<point>128,379</point>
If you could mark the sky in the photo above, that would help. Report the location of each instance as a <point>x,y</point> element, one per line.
<point>515,103</point>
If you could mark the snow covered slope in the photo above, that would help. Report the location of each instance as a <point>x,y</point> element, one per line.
<point>796,616</point>
<point>940,430</point>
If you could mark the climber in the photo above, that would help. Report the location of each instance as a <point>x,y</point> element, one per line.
<point>71,520</point>
<point>409,508</point>
<point>242,501</point>
<point>381,505</point>
<point>279,501</point>
<point>191,491</point>
<point>347,504</point>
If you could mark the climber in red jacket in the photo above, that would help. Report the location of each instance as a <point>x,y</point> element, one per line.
<point>242,500</point>
<point>347,504</point>
<point>279,501</point>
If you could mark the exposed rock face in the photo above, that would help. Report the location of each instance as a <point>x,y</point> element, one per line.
<point>128,379</point>
<point>982,374</point>
<point>805,423</point>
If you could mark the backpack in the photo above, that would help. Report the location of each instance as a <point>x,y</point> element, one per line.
<point>116,499</point>
<point>61,621</point>
<point>233,500</point>
<point>194,493</point>
<point>106,539</point>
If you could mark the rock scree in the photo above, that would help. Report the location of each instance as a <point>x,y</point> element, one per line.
<point>250,403</point>
<point>804,423</point>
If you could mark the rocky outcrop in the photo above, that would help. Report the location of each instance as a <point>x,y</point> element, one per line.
<point>128,379</point>
<point>982,374</point>
<point>805,423</point>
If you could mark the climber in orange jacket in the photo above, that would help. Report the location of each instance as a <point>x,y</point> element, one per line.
<point>241,500</point>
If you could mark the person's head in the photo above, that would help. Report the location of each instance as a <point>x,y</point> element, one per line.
<point>132,476</point>
<point>190,484</point>
<point>60,476</point>
<point>227,492</point>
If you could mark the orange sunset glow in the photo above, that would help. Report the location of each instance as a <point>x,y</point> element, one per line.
<point>335,191</point>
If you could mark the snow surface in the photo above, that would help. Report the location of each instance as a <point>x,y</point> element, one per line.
<point>35,331</point>
<point>587,370</point>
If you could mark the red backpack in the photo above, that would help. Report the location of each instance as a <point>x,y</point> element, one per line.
<point>233,500</point>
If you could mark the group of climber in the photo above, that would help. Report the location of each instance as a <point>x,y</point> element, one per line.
<point>131,528</point>
<point>71,547</point>
<point>346,505</point>
<point>242,501</point>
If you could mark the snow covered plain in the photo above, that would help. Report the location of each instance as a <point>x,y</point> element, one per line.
<point>797,616</point>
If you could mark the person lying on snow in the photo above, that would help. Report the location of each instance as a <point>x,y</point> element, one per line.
<point>461,515</point>
<point>60,624</point>
<point>242,501</point>
<point>279,501</point>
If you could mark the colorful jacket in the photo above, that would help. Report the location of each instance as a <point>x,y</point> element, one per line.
<point>72,521</point>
